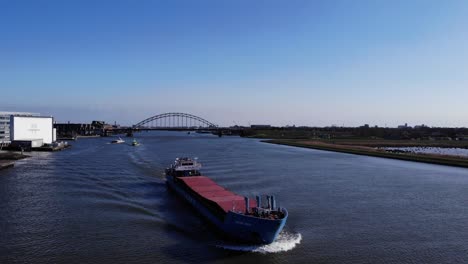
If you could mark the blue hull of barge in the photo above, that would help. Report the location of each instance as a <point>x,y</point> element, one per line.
<point>240,227</point>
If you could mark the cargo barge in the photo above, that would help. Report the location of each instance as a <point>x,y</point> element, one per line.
<point>240,218</point>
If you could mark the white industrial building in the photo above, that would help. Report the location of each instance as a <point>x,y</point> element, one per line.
<point>5,124</point>
<point>26,129</point>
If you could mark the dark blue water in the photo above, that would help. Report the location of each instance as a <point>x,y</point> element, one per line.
<point>103,203</point>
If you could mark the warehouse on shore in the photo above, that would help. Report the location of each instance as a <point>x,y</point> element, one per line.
<point>26,130</point>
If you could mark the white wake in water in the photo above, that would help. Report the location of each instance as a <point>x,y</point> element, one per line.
<point>284,242</point>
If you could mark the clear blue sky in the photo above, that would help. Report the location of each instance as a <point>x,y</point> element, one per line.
<point>269,62</point>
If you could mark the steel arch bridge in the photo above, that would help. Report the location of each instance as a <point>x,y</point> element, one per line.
<point>175,121</point>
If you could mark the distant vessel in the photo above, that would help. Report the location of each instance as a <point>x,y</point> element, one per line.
<point>239,217</point>
<point>135,143</point>
<point>117,141</point>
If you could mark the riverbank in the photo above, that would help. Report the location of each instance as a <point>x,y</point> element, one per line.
<point>6,164</point>
<point>7,158</point>
<point>369,148</point>
<point>89,136</point>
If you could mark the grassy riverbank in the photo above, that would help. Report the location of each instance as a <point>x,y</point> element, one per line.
<point>369,148</point>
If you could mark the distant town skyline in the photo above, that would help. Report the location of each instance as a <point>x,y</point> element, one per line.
<point>303,63</point>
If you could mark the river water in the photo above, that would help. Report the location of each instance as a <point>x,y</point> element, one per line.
<point>104,203</point>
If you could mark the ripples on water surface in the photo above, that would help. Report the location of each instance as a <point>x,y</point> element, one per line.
<point>103,203</point>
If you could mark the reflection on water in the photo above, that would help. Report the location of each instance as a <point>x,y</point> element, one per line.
<point>108,203</point>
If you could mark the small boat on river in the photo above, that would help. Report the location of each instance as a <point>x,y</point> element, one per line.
<point>118,141</point>
<point>240,218</point>
<point>135,143</point>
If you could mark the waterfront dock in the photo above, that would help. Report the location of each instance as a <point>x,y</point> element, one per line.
<point>7,159</point>
<point>52,148</point>
<point>11,155</point>
<point>6,164</point>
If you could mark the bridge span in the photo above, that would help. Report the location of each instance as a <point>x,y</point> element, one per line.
<point>171,121</point>
<point>176,122</point>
